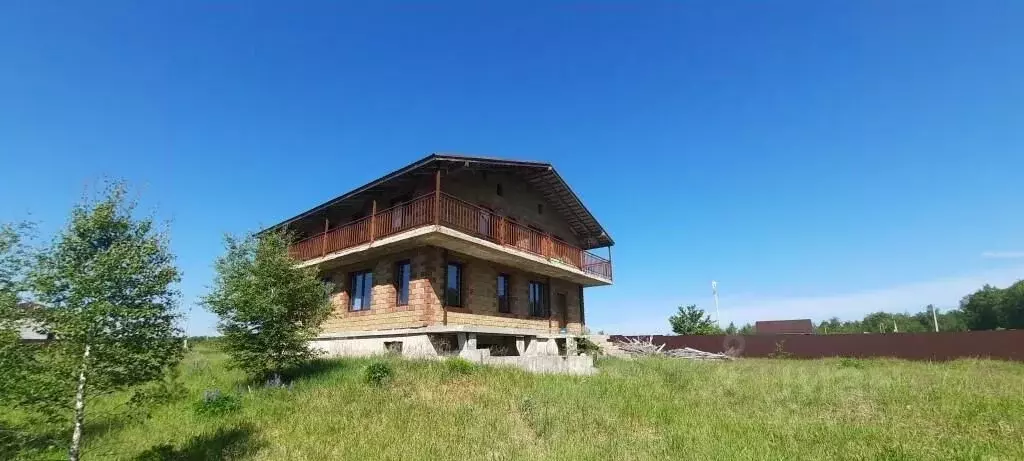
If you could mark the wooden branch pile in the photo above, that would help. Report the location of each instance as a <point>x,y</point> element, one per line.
<point>639,347</point>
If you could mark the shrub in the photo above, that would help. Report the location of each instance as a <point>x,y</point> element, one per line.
<point>585,346</point>
<point>379,373</point>
<point>215,403</point>
<point>458,366</point>
<point>851,362</point>
<point>780,351</point>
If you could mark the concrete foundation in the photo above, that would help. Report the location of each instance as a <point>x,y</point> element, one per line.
<point>533,353</point>
<point>571,365</point>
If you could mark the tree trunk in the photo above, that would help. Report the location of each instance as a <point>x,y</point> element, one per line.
<point>76,436</point>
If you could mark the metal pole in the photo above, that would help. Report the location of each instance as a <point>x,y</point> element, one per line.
<point>935,319</point>
<point>718,314</point>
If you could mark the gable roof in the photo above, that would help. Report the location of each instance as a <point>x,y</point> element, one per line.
<point>540,175</point>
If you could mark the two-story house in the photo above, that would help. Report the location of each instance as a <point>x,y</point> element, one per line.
<point>455,254</point>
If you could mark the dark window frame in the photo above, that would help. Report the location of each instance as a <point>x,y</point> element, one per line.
<point>499,190</point>
<point>502,282</point>
<point>538,299</point>
<point>401,277</point>
<point>366,300</point>
<point>459,279</point>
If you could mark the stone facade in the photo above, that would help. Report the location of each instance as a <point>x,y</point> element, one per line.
<point>479,292</point>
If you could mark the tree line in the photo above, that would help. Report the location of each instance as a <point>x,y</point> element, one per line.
<point>988,308</point>
<point>104,291</point>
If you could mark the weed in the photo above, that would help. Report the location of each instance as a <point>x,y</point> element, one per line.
<point>458,366</point>
<point>852,362</point>
<point>379,373</point>
<point>215,403</point>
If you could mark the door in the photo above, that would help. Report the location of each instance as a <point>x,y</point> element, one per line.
<point>398,211</point>
<point>563,308</point>
<point>483,225</point>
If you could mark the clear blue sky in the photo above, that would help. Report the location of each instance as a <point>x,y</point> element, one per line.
<point>817,158</point>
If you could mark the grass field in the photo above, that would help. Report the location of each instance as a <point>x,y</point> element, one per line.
<point>632,410</point>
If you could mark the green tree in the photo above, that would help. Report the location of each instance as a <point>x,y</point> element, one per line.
<point>747,329</point>
<point>269,309</point>
<point>983,309</point>
<point>14,356</point>
<point>691,320</point>
<point>107,285</point>
<point>731,329</point>
<point>1012,307</point>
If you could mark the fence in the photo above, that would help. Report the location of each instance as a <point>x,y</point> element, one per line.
<point>1006,344</point>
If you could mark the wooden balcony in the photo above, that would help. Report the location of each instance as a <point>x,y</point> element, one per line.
<point>448,211</point>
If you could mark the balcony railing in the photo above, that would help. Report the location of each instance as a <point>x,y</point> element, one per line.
<point>456,214</point>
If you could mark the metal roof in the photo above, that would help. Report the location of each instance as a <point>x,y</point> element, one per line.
<point>540,175</point>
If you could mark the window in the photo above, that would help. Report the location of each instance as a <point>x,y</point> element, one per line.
<point>360,290</point>
<point>538,299</point>
<point>540,208</point>
<point>499,191</point>
<point>503,301</point>
<point>403,271</point>
<point>453,285</point>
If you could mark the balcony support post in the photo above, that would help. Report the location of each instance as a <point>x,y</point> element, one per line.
<point>323,238</point>
<point>373,221</point>
<point>501,230</point>
<point>437,197</point>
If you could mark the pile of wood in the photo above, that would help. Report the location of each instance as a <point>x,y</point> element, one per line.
<point>638,347</point>
<point>694,354</point>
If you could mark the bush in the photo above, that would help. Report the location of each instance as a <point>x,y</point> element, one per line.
<point>851,362</point>
<point>379,373</point>
<point>780,351</point>
<point>458,366</point>
<point>585,346</point>
<point>215,403</point>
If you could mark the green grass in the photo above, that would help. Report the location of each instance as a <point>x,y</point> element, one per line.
<point>751,409</point>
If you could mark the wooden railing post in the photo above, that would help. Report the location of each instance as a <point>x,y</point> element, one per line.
<point>323,238</point>
<point>373,221</point>
<point>501,230</point>
<point>437,197</point>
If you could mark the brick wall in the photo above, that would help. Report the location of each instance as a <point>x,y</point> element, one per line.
<point>384,313</point>
<point>481,300</point>
<point>480,306</point>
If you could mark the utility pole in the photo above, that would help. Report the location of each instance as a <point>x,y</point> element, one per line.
<point>935,319</point>
<point>718,315</point>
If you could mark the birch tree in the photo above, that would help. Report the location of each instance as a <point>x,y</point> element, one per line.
<point>107,285</point>
<point>269,309</point>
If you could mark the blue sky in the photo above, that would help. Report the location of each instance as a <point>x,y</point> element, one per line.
<point>817,158</point>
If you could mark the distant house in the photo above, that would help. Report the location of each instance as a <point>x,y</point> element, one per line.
<point>784,327</point>
<point>29,330</point>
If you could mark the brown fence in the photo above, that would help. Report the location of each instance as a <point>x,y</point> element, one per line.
<point>1008,345</point>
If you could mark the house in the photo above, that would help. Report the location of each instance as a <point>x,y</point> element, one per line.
<point>30,330</point>
<point>455,254</point>
<point>790,327</point>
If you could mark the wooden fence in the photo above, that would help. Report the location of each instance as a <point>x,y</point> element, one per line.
<point>1006,344</point>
